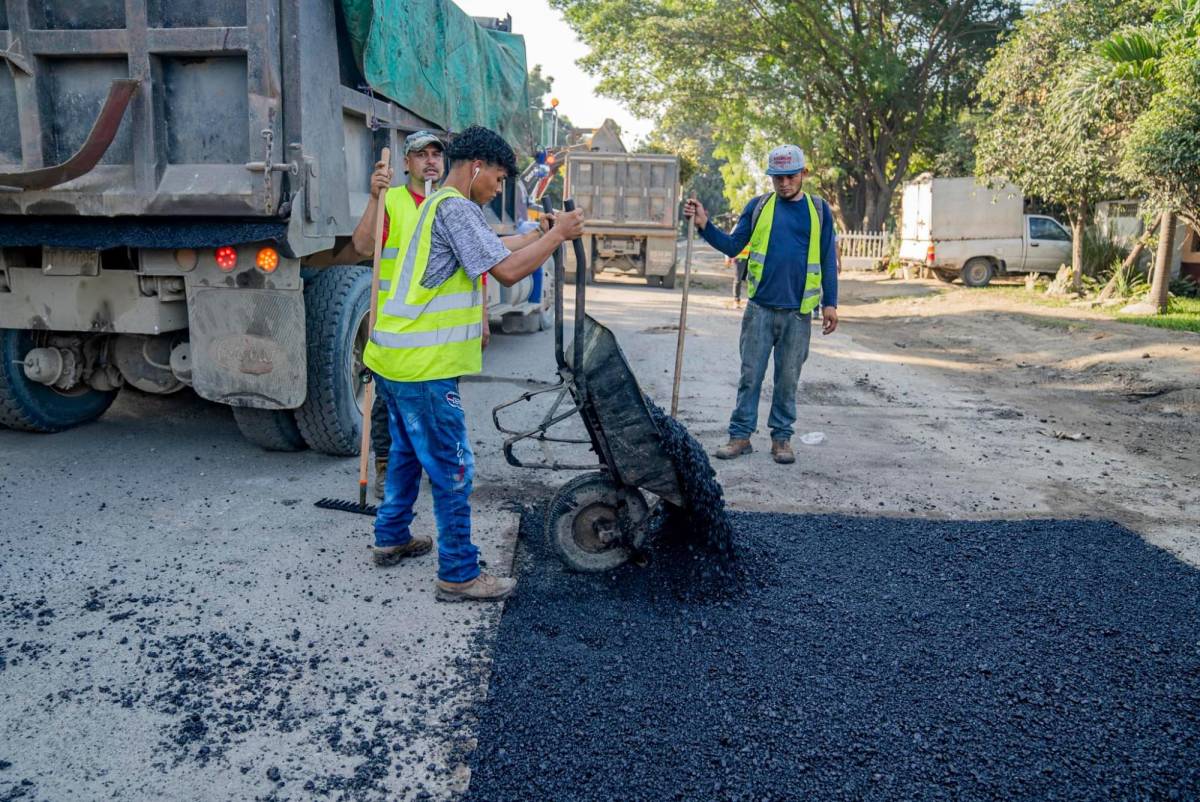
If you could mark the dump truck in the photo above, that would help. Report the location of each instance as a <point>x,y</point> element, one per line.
<point>962,228</point>
<point>631,202</point>
<point>172,174</point>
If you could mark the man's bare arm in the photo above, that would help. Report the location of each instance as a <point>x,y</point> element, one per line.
<point>519,264</point>
<point>518,241</point>
<point>363,239</point>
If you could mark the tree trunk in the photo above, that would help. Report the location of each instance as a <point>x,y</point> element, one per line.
<point>1077,226</point>
<point>879,205</point>
<point>1127,265</point>
<point>1159,294</point>
<point>852,202</point>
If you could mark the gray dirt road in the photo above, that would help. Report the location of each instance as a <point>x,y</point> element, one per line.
<point>178,619</point>
<point>180,623</point>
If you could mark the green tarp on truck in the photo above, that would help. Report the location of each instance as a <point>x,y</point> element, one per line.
<point>435,60</point>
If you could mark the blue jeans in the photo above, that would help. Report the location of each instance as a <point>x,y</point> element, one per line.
<point>429,430</point>
<point>785,332</point>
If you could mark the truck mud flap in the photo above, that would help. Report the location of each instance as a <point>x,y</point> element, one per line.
<point>247,347</point>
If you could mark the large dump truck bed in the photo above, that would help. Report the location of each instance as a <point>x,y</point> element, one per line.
<point>239,108</point>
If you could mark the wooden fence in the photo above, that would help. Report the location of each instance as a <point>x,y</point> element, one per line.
<point>863,250</point>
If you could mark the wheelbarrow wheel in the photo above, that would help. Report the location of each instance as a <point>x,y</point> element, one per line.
<point>587,520</point>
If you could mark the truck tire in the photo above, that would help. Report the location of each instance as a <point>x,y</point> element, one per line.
<point>336,305</point>
<point>270,429</point>
<point>947,276</point>
<point>977,272</point>
<point>28,406</point>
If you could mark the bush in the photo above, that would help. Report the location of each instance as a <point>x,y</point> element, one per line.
<point>1102,255</point>
<point>1185,287</point>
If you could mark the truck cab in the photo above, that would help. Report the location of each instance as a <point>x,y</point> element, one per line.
<point>1047,245</point>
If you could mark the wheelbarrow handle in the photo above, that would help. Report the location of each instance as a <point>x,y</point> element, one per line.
<point>581,267</point>
<point>559,280</point>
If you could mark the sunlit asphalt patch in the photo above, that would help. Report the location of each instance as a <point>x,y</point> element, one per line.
<point>855,659</point>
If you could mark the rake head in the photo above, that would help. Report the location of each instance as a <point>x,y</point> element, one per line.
<point>341,505</point>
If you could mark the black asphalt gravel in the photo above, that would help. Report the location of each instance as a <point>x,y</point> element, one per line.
<point>702,520</point>
<point>855,659</point>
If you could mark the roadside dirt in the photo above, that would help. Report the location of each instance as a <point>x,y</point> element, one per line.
<point>943,402</point>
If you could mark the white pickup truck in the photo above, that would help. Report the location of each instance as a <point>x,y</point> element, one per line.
<point>959,227</point>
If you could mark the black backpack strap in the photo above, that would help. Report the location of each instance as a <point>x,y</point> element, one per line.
<point>758,207</point>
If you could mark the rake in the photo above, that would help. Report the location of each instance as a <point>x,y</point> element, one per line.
<point>361,506</point>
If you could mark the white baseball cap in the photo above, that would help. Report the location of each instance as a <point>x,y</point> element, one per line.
<point>785,160</point>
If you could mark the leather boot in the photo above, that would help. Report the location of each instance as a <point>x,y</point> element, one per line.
<point>734,448</point>
<point>781,450</point>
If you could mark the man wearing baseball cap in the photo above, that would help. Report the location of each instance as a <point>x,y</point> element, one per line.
<point>792,270</point>
<point>425,164</point>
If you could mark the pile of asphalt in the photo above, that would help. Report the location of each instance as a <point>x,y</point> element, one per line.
<point>862,659</point>
<point>702,520</point>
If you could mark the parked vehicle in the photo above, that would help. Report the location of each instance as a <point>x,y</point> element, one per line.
<point>170,169</point>
<point>961,228</point>
<point>632,206</point>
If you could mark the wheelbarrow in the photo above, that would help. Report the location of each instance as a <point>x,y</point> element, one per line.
<point>598,520</point>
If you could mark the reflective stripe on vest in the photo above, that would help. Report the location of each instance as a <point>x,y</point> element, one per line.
<point>397,303</point>
<point>760,239</point>
<point>424,334</point>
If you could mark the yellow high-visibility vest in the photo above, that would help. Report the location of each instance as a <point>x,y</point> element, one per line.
<point>760,239</point>
<point>401,208</point>
<point>425,334</point>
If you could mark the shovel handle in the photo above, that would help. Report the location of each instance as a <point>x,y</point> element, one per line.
<point>683,309</point>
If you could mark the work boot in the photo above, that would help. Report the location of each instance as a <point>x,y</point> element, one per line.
<point>484,587</point>
<point>380,477</point>
<point>390,555</point>
<point>734,448</point>
<point>781,450</point>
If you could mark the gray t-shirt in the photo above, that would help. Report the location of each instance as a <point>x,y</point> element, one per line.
<point>461,236</point>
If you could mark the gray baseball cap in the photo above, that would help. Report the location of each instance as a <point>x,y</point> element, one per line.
<point>420,139</point>
<point>785,160</point>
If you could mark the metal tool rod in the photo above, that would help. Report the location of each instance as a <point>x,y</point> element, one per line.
<point>687,281</point>
<point>581,268</point>
<point>559,280</point>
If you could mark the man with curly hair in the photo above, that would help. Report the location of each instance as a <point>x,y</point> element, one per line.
<point>428,333</point>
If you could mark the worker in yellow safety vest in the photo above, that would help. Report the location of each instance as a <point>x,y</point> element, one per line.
<point>791,270</point>
<point>428,333</point>
<point>424,164</point>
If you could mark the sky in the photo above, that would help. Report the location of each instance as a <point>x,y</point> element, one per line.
<point>549,41</point>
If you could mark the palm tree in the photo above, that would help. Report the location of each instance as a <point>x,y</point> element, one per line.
<point>1120,81</point>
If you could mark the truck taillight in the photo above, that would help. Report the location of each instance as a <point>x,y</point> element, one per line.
<point>929,254</point>
<point>268,260</point>
<point>226,257</point>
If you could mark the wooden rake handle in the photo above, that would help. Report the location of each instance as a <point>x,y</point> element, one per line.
<point>364,448</point>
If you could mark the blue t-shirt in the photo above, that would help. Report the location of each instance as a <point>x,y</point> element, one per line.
<point>782,285</point>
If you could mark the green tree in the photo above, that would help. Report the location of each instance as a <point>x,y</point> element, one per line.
<point>1162,153</point>
<point>1026,138</point>
<point>1147,79</point>
<point>699,167</point>
<point>540,88</point>
<point>860,84</point>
